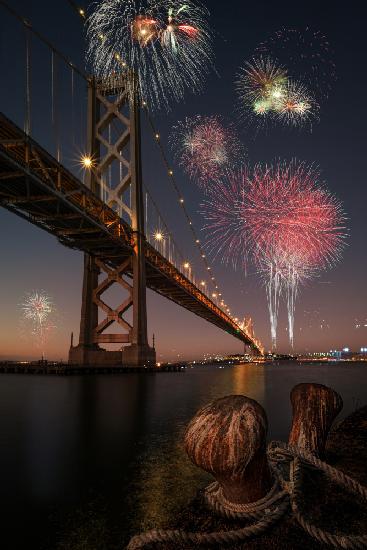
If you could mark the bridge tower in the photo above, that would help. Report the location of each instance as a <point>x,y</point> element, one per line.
<point>116,177</point>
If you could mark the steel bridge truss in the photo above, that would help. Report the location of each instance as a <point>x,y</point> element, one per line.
<point>34,186</point>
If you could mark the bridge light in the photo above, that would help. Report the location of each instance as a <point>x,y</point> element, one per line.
<point>170,173</point>
<point>182,201</point>
<point>186,265</point>
<point>82,12</point>
<point>197,241</point>
<point>87,162</point>
<point>214,295</point>
<point>158,236</point>
<point>203,283</point>
<point>157,136</point>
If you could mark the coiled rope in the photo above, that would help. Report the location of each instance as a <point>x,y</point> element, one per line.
<point>267,511</point>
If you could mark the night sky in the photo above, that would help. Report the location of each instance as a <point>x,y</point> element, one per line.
<point>331,311</point>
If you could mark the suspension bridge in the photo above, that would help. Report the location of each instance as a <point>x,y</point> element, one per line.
<point>105,216</point>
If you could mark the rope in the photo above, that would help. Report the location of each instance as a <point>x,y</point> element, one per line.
<point>297,455</point>
<point>267,511</point>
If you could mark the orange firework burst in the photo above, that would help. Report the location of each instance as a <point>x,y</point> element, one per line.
<point>144,29</point>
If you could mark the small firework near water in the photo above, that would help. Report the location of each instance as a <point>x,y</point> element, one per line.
<point>206,148</point>
<point>307,54</point>
<point>267,94</point>
<point>37,317</point>
<point>166,45</point>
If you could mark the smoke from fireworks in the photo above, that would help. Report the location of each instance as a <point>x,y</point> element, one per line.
<point>280,216</point>
<point>37,312</point>
<point>205,148</point>
<point>167,45</point>
<point>268,94</point>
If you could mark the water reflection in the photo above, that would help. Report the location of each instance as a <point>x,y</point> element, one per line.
<point>95,459</point>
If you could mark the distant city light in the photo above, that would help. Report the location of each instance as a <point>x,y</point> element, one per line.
<point>346,349</point>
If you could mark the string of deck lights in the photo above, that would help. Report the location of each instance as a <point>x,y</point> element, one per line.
<point>216,294</point>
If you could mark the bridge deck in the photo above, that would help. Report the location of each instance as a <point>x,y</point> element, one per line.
<point>36,187</point>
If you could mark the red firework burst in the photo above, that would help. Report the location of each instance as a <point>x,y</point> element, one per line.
<point>287,213</point>
<point>285,220</point>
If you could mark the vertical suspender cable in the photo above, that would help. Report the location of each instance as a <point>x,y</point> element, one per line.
<point>146,215</point>
<point>27,121</point>
<point>72,107</point>
<point>55,119</point>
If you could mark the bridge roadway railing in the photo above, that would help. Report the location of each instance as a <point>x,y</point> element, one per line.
<point>34,186</point>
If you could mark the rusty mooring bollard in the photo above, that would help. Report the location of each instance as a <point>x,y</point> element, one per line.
<point>314,409</point>
<point>227,438</point>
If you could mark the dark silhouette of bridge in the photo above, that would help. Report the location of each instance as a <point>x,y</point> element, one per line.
<point>88,217</point>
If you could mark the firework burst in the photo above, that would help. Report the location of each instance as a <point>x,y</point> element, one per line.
<point>295,227</point>
<point>285,220</point>
<point>205,148</point>
<point>225,233</point>
<point>260,82</point>
<point>267,94</point>
<point>305,52</point>
<point>166,45</point>
<point>37,311</point>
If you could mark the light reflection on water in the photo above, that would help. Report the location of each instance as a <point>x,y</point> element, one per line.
<point>97,458</point>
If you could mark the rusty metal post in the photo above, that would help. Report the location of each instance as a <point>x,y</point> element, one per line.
<point>315,407</point>
<point>227,438</point>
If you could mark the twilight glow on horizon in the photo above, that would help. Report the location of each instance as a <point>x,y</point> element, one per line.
<point>290,114</point>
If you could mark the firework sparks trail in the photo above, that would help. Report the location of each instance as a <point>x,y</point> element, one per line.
<point>295,226</point>
<point>307,53</point>
<point>205,148</point>
<point>268,94</point>
<point>167,45</point>
<point>37,309</point>
<point>281,217</point>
